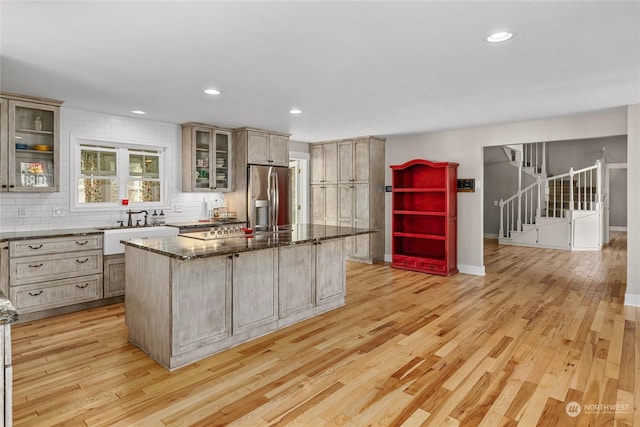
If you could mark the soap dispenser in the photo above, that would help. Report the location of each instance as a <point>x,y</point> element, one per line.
<point>154,218</point>
<point>161,218</point>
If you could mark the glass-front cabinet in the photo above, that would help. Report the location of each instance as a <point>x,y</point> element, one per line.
<point>29,152</point>
<point>206,158</point>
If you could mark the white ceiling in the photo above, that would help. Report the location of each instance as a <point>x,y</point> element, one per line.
<point>354,68</point>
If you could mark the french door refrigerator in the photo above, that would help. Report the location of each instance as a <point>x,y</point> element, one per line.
<point>268,197</point>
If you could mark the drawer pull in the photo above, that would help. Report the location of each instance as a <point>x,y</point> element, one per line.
<point>82,286</point>
<point>35,247</point>
<point>35,265</point>
<point>83,243</point>
<point>83,261</point>
<point>36,294</point>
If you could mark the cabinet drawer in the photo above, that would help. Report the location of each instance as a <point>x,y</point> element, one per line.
<point>31,247</point>
<point>432,266</point>
<point>49,267</point>
<point>56,293</point>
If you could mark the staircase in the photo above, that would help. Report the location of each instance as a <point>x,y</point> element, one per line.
<point>562,211</point>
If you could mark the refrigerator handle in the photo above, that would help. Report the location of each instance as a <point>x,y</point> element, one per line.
<point>269,195</point>
<point>276,201</point>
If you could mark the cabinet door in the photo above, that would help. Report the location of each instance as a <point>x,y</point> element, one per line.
<point>34,168</point>
<point>330,278</point>
<point>345,203</point>
<point>257,148</point>
<point>278,150</point>
<point>221,164</point>
<point>114,275</point>
<point>331,204</point>
<point>201,303</point>
<point>4,134</point>
<point>317,164</point>
<point>361,163</point>
<point>331,162</point>
<point>255,289</point>
<point>295,276</point>
<point>317,204</point>
<point>345,161</point>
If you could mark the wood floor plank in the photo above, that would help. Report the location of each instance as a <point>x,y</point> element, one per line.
<point>541,329</point>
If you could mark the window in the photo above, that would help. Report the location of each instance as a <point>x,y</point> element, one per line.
<point>107,172</point>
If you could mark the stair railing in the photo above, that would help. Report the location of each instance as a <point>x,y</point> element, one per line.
<point>584,187</point>
<point>512,214</point>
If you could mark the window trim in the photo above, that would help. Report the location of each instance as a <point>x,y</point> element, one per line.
<point>122,172</point>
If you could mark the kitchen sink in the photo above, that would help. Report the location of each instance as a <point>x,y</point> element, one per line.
<point>112,236</point>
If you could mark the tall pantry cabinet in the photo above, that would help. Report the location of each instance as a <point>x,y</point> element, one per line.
<point>347,189</point>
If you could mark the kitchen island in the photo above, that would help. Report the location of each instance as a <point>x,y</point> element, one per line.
<point>194,295</point>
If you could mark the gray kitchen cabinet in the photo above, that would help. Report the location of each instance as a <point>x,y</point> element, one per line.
<point>353,161</point>
<point>360,195</point>
<point>324,204</point>
<point>54,272</point>
<point>324,163</point>
<point>114,275</point>
<point>310,275</point>
<point>267,148</point>
<point>207,163</point>
<point>29,143</point>
<point>201,303</point>
<point>6,372</point>
<point>296,271</point>
<point>255,289</point>
<point>329,271</point>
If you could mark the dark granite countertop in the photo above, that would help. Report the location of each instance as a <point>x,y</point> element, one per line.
<point>36,234</point>
<point>8,313</point>
<point>187,248</point>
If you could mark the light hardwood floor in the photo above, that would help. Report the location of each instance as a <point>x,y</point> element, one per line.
<point>542,329</point>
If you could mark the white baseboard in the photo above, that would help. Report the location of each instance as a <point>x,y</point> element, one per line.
<point>615,228</point>
<point>387,257</point>
<point>632,300</point>
<point>491,235</point>
<point>471,269</point>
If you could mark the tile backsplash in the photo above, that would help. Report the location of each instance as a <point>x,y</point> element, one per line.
<point>40,211</point>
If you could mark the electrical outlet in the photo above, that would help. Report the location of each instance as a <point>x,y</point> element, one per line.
<point>177,208</point>
<point>495,203</point>
<point>58,212</point>
<point>22,212</point>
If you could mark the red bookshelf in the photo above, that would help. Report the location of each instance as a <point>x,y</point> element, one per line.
<point>424,217</point>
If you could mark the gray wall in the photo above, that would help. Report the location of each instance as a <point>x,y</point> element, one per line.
<point>501,179</point>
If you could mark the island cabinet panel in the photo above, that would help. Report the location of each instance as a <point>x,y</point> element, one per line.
<point>255,289</point>
<point>330,271</point>
<point>296,268</point>
<point>201,303</point>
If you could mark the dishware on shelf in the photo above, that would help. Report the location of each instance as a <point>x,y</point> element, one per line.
<point>21,146</point>
<point>41,147</point>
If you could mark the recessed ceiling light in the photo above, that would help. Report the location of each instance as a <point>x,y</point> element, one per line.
<point>295,111</point>
<point>138,112</point>
<point>212,91</point>
<point>500,36</point>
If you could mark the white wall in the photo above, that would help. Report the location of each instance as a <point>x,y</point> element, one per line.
<point>632,296</point>
<point>466,146</point>
<point>80,123</point>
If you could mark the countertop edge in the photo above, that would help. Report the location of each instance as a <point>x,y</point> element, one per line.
<point>8,313</point>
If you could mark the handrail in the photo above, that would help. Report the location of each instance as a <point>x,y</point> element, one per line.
<point>582,180</point>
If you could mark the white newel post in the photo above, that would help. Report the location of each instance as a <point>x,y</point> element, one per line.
<point>501,218</point>
<point>571,189</point>
<point>519,219</point>
<point>539,207</point>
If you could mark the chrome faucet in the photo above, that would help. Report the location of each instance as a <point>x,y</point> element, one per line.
<point>130,220</point>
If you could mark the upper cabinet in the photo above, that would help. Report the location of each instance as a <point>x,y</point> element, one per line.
<point>206,158</point>
<point>267,148</point>
<point>324,163</point>
<point>29,144</point>
<point>353,161</point>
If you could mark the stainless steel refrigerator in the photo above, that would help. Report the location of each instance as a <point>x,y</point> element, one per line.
<point>268,197</point>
